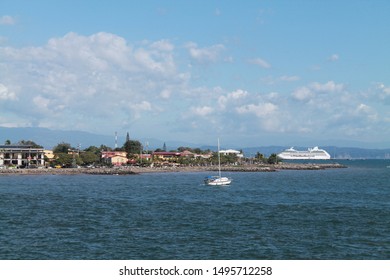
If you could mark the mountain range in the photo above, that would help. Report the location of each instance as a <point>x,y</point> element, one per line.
<point>49,138</point>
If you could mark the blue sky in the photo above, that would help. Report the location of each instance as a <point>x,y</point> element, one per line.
<point>253,73</point>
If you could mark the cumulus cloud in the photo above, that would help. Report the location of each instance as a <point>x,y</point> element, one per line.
<point>330,86</point>
<point>366,111</point>
<point>103,83</point>
<point>234,96</point>
<point>100,77</point>
<point>303,93</point>
<point>6,94</point>
<point>204,55</point>
<point>260,110</point>
<point>267,117</point>
<point>306,93</point>
<point>7,20</point>
<point>202,111</point>
<point>260,62</point>
<point>384,93</point>
<point>289,78</point>
<point>333,57</point>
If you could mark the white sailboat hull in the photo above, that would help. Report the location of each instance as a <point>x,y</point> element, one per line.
<point>218,181</point>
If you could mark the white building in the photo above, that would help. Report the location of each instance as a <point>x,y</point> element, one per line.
<point>231,152</point>
<point>21,156</point>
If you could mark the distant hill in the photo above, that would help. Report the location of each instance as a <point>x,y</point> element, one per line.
<point>49,138</point>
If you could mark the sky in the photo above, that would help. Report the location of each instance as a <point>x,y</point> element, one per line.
<point>252,73</point>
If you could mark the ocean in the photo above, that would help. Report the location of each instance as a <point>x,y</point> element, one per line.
<point>302,214</point>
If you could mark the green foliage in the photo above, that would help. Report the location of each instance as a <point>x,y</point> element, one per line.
<point>272,159</point>
<point>132,147</point>
<point>259,156</point>
<point>29,143</point>
<point>198,151</point>
<point>225,159</point>
<point>63,159</point>
<point>104,148</point>
<point>63,148</point>
<point>182,149</point>
<point>93,149</point>
<point>89,157</point>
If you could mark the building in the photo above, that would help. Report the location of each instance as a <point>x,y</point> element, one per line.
<point>231,152</point>
<point>21,156</point>
<point>116,158</point>
<point>166,156</point>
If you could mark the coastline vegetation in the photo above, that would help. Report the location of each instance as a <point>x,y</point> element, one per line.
<point>66,156</point>
<point>73,160</point>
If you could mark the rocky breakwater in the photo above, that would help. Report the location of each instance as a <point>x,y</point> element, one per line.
<point>307,166</point>
<point>68,171</point>
<point>277,167</point>
<point>140,170</point>
<point>244,168</point>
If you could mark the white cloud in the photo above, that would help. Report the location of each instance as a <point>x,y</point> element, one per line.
<point>202,111</point>
<point>384,93</point>
<point>205,55</point>
<point>101,78</point>
<point>367,111</point>
<point>261,110</point>
<point>333,57</point>
<point>7,20</point>
<point>303,94</point>
<point>328,87</point>
<point>234,96</point>
<point>306,93</point>
<point>103,83</point>
<point>163,45</point>
<point>6,94</point>
<point>289,78</point>
<point>268,117</point>
<point>260,62</point>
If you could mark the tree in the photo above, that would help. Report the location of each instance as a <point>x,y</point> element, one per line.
<point>105,148</point>
<point>182,149</point>
<point>164,147</point>
<point>197,151</point>
<point>273,159</point>
<point>62,148</point>
<point>89,157</point>
<point>30,143</point>
<point>7,142</point>
<point>259,157</point>
<point>93,149</point>
<point>63,159</point>
<point>132,147</point>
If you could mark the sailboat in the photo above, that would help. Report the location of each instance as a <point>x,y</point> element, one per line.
<point>217,180</point>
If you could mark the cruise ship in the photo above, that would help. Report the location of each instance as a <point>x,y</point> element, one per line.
<point>314,153</point>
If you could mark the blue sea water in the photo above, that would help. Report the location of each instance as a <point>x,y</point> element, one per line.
<point>322,214</point>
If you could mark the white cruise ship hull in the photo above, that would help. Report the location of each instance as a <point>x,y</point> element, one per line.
<point>314,153</point>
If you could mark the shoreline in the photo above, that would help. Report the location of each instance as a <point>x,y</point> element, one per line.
<point>134,170</point>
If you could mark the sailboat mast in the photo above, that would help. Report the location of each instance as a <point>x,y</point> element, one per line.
<point>219,161</point>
